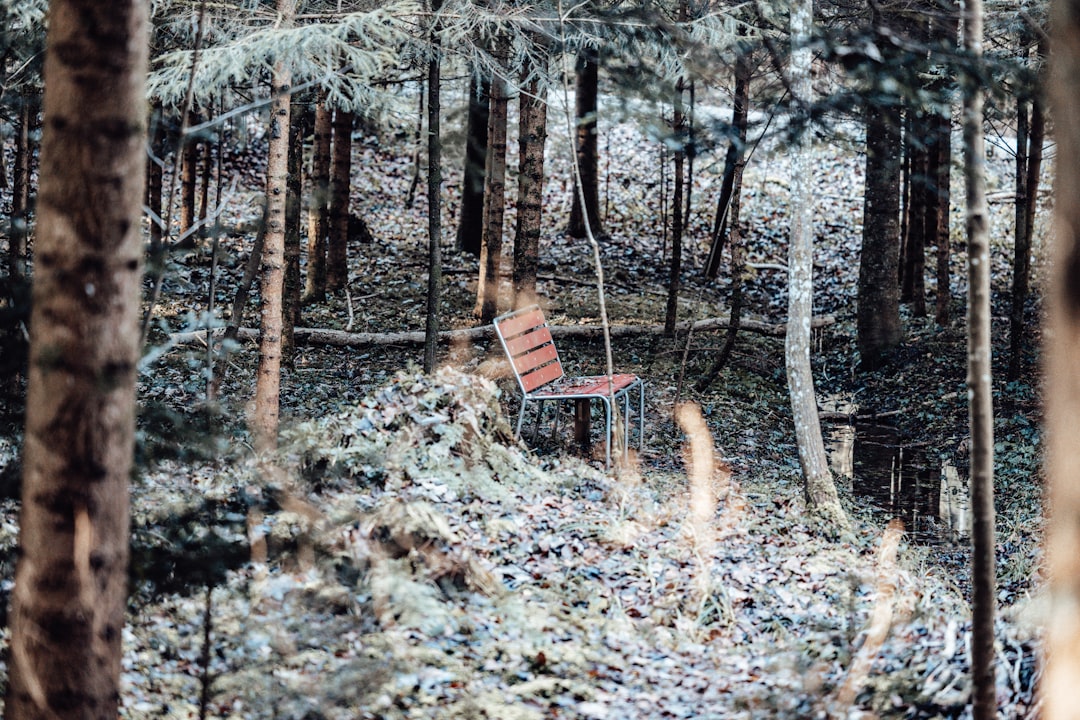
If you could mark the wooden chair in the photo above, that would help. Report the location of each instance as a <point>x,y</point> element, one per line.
<point>526,339</point>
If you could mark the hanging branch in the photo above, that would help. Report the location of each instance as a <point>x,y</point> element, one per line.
<point>588,228</point>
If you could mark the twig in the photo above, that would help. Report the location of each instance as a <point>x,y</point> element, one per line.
<point>348,302</point>
<point>204,658</point>
<point>576,165</point>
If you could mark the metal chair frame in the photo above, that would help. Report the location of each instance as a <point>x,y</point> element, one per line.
<point>526,339</point>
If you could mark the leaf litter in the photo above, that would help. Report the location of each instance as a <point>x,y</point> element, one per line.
<point>421,563</point>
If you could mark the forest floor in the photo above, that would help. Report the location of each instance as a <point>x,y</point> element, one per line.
<point>414,561</point>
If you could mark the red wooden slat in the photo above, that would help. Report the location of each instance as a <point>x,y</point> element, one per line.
<point>546,374</point>
<point>536,358</point>
<point>528,341</point>
<point>520,323</point>
<point>593,385</point>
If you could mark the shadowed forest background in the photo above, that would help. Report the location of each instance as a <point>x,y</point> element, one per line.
<point>330,515</point>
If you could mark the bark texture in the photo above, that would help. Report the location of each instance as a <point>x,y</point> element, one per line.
<point>434,195</point>
<point>20,192</point>
<point>943,229</point>
<point>734,163</point>
<point>980,403</point>
<point>189,173</point>
<point>878,317</point>
<point>337,261</point>
<point>471,220</point>
<point>71,580</point>
<point>671,310</point>
<point>1025,229</point>
<point>819,488</point>
<point>318,208</point>
<point>290,308</point>
<point>265,415</point>
<point>587,87</point>
<point>487,292</point>
<point>913,288</point>
<point>532,137</point>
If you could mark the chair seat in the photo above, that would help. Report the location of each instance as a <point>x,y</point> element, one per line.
<point>526,339</point>
<point>587,386</point>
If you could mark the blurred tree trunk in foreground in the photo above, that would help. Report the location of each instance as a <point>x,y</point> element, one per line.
<point>1062,650</point>
<point>71,580</point>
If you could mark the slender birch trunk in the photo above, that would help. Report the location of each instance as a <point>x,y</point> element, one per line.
<point>980,404</point>
<point>819,488</point>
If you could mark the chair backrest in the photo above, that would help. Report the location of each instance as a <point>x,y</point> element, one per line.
<point>526,338</point>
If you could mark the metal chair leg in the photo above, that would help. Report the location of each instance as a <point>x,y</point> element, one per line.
<point>521,417</point>
<point>608,431</point>
<point>641,416</point>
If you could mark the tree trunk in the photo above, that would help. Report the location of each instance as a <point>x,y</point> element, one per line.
<point>738,269</point>
<point>434,194</point>
<point>585,98</point>
<point>471,220</point>
<point>337,262</point>
<point>1061,649</point>
<point>1021,242</point>
<point>1022,252</point>
<point>206,179</point>
<point>291,308</point>
<point>71,581</point>
<point>731,185</point>
<point>980,403</point>
<point>155,177</point>
<point>189,175</point>
<point>878,317</point>
<point>945,25</point>
<point>943,226</point>
<point>820,491</point>
<point>913,290</point>
<point>265,415</point>
<point>532,137</point>
<point>340,338</point>
<point>20,194</point>
<point>671,311</point>
<point>734,232</point>
<point>487,292</point>
<point>318,215</point>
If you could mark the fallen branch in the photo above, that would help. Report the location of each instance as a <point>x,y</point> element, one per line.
<point>340,338</point>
